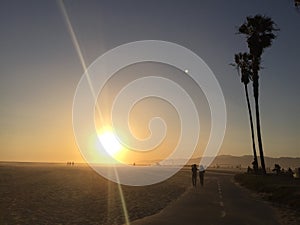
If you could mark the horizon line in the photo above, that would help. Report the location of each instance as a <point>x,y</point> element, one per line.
<point>141,162</point>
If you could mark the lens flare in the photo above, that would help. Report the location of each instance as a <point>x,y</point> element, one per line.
<point>110,143</point>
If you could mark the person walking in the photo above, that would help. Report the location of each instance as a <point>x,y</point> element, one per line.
<point>194,174</point>
<point>201,174</point>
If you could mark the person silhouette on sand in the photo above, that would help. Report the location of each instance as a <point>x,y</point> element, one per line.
<point>201,174</point>
<point>194,174</point>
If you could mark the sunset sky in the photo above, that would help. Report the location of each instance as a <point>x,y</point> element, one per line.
<point>40,68</point>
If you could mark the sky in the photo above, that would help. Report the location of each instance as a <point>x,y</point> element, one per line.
<point>40,68</point>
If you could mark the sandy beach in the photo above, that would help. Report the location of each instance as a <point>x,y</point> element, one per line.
<point>33,193</point>
<point>41,193</point>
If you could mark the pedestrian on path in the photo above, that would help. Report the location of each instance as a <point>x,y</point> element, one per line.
<point>194,174</point>
<point>201,174</point>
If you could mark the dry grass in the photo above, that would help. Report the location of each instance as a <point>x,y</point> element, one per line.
<point>282,191</point>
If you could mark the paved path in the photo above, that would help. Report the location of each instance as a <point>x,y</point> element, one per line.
<point>219,202</point>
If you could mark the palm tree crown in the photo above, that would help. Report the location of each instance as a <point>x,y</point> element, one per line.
<point>259,32</point>
<point>243,64</point>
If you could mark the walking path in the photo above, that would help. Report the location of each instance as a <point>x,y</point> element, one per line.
<point>219,202</point>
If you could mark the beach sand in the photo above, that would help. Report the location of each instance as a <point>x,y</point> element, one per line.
<point>36,193</point>
<point>40,193</point>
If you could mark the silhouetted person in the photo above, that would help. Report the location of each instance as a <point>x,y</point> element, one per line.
<point>277,169</point>
<point>201,174</point>
<point>249,170</point>
<point>194,175</point>
<point>290,172</point>
<point>255,166</point>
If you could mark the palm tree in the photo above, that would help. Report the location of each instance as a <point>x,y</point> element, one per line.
<point>243,63</point>
<point>259,33</point>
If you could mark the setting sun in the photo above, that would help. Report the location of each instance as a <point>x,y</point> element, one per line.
<point>110,143</point>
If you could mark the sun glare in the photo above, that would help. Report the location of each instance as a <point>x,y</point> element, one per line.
<point>110,143</point>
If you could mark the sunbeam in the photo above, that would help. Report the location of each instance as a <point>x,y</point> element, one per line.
<point>122,198</point>
<point>83,64</point>
<point>79,52</point>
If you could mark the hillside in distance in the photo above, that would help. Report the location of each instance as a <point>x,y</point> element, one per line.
<point>229,161</point>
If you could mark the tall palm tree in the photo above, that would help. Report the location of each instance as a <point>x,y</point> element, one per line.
<point>243,63</point>
<point>259,33</point>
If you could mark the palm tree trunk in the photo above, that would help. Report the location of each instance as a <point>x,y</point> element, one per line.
<point>259,139</point>
<point>255,163</point>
